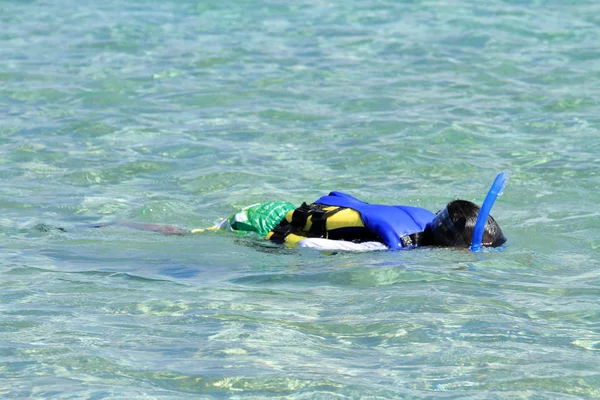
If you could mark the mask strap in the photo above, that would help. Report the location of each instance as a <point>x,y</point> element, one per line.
<point>444,230</point>
<point>449,226</point>
<point>486,207</point>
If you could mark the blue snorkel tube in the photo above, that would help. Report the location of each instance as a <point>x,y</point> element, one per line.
<point>486,207</point>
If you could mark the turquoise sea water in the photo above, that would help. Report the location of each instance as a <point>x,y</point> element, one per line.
<point>180,112</point>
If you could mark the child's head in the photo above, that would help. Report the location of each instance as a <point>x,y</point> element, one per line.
<point>453,226</point>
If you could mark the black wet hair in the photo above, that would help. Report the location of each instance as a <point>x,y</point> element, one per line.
<point>454,226</point>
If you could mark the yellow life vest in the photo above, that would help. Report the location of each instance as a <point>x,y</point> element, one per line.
<point>322,221</point>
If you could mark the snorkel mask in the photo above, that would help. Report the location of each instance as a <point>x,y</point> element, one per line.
<point>446,233</point>
<point>486,207</point>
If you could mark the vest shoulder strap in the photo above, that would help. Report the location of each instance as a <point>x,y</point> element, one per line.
<point>308,220</point>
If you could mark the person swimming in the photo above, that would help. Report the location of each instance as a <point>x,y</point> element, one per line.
<point>339,221</point>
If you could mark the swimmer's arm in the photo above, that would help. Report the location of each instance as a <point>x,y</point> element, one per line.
<point>328,244</point>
